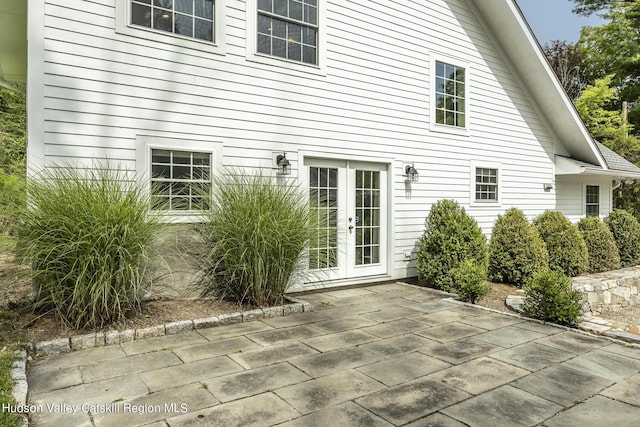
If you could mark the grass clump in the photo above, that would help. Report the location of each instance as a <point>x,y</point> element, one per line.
<point>603,252</point>
<point>255,238</point>
<point>549,297</point>
<point>88,239</point>
<point>451,236</point>
<point>626,233</point>
<point>516,251</point>
<point>565,245</point>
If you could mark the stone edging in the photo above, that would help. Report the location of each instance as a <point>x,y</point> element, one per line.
<point>99,339</point>
<point>592,324</point>
<point>20,386</point>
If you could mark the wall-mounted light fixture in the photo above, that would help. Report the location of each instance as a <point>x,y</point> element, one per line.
<point>548,187</point>
<point>411,173</point>
<point>284,165</point>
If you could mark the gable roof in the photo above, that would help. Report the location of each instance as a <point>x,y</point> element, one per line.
<point>514,37</point>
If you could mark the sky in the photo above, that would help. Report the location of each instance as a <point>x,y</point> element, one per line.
<point>553,19</point>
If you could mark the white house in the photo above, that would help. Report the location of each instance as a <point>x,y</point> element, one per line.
<point>353,93</point>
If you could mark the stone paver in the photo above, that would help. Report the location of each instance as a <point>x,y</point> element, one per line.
<point>597,411</point>
<point>403,368</point>
<point>320,393</point>
<point>410,401</point>
<point>385,355</point>
<point>479,375</point>
<point>504,406</point>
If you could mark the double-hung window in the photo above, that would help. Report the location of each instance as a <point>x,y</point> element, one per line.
<point>486,189</point>
<point>450,95</point>
<point>188,18</point>
<point>180,180</point>
<point>288,29</point>
<point>592,196</point>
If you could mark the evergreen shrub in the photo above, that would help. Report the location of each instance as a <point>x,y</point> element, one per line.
<point>565,245</point>
<point>603,252</point>
<point>451,236</point>
<point>469,281</point>
<point>516,251</point>
<point>549,297</point>
<point>626,233</point>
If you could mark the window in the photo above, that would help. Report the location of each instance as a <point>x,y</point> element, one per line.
<point>592,200</point>
<point>189,18</point>
<point>288,29</point>
<point>180,180</point>
<point>450,95</point>
<point>486,184</point>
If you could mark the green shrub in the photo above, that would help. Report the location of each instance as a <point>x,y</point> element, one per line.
<point>565,245</point>
<point>450,237</point>
<point>549,297</point>
<point>626,233</point>
<point>255,237</point>
<point>88,240</point>
<point>469,281</point>
<point>516,251</point>
<point>603,252</point>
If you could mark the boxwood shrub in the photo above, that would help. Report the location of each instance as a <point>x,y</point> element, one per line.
<point>516,251</point>
<point>451,236</point>
<point>565,245</point>
<point>603,252</point>
<point>469,281</point>
<point>549,296</point>
<point>626,233</point>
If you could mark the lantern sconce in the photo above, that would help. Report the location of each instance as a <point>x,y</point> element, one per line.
<point>284,165</point>
<point>411,173</point>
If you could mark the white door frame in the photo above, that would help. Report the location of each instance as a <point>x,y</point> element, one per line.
<point>346,267</point>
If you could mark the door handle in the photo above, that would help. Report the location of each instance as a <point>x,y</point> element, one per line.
<point>351,227</point>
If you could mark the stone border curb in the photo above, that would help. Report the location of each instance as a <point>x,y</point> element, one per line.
<point>99,339</point>
<point>20,386</point>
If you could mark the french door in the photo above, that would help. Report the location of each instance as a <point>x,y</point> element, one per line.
<point>350,200</point>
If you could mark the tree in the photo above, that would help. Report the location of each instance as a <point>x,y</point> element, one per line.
<point>614,48</point>
<point>567,63</point>
<point>603,123</point>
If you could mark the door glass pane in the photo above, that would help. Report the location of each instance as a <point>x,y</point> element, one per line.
<point>323,194</point>
<point>367,194</point>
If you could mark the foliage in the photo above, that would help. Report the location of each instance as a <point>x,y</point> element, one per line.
<point>255,238</point>
<point>565,245</point>
<point>614,49</point>
<point>516,251</point>
<point>626,233</point>
<point>603,252</point>
<point>88,240</point>
<point>7,418</point>
<point>603,123</point>
<point>549,297</point>
<point>567,63</point>
<point>13,131</point>
<point>450,237</point>
<point>13,151</point>
<point>469,281</point>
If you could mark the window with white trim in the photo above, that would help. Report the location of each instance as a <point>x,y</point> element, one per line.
<point>486,184</point>
<point>592,200</point>
<point>188,18</point>
<point>288,29</point>
<point>180,180</point>
<point>450,95</point>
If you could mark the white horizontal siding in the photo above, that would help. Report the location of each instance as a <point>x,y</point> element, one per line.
<point>103,88</point>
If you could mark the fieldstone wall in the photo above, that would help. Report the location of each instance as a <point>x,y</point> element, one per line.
<point>608,291</point>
